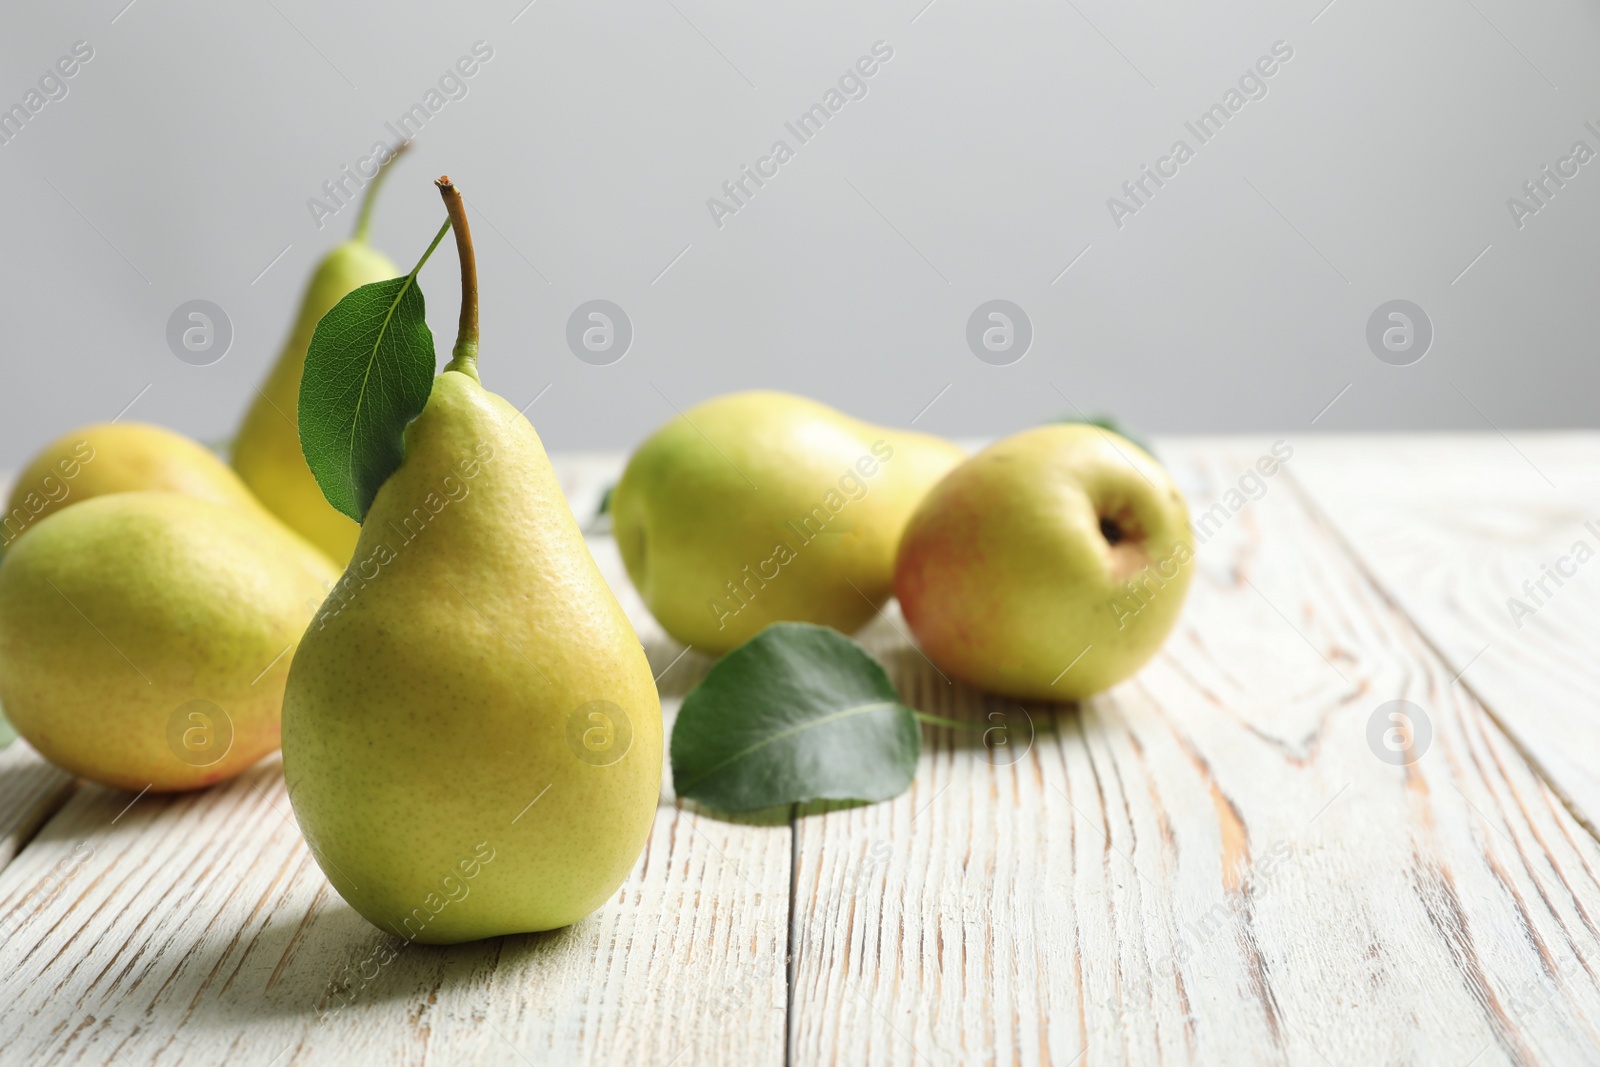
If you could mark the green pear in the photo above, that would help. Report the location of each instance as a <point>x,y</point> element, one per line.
<point>761,507</point>
<point>1049,566</point>
<point>472,737</point>
<point>145,637</point>
<point>120,457</point>
<point>266,450</point>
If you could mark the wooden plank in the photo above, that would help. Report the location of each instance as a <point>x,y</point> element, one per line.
<point>1209,863</point>
<point>1463,532</point>
<point>31,791</point>
<point>198,930</point>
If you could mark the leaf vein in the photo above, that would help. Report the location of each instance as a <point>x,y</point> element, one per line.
<point>857,709</point>
<point>372,359</point>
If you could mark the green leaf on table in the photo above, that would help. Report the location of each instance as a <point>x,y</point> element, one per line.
<point>797,713</point>
<point>368,373</point>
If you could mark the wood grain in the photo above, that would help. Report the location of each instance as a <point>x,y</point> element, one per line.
<point>1209,864</point>
<point>1461,530</point>
<point>30,792</point>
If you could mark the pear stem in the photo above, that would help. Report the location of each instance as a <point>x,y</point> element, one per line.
<point>465,354</point>
<point>364,220</point>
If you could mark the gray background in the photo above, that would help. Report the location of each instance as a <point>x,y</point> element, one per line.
<point>977,167</point>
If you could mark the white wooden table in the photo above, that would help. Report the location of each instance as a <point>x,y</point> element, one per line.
<point>1208,864</point>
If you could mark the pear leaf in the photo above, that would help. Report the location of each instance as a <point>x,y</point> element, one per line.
<point>368,373</point>
<point>797,713</point>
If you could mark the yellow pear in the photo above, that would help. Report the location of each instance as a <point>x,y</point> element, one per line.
<point>145,637</point>
<point>1049,566</point>
<point>762,507</point>
<point>472,737</point>
<point>119,457</point>
<point>266,450</point>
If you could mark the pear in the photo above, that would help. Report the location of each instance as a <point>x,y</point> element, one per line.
<point>266,450</point>
<point>472,737</point>
<point>760,507</point>
<point>120,457</point>
<point>1049,566</point>
<point>145,637</point>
